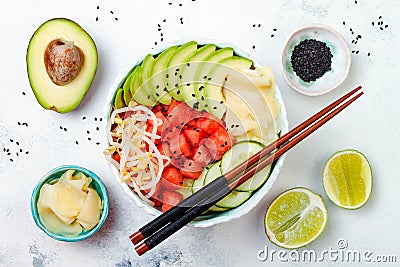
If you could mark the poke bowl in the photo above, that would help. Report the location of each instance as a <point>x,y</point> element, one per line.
<point>184,115</point>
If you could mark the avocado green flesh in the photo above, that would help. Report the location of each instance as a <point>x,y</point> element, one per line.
<point>156,82</point>
<point>174,64</point>
<point>119,99</point>
<point>139,85</point>
<point>213,94</point>
<point>127,90</point>
<point>188,71</point>
<point>204,70</point>
<point>49,95</point>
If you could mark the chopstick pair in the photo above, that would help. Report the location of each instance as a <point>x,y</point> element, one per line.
<point>170,222</point>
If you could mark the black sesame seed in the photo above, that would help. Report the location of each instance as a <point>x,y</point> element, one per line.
<point>254,25</point>
<point>98,7</point>
<point>214,107</point>
<point>61,128</point>
<point>148,97</point>
<point>204,77</point>
<point>164,20</point>
<point>76,142</point>
<point>180,4</point>
<point>20,150</point>
<point>97,19</point>
<point>27,152</point>
<point>344,23</point>
<point>253,46</point>
<point>311,59</point>
<point>11,140</point>
<point>373,24</point>
<point>95,119</point>
<point>188,84</point>
<point>178,92</point>
<point>19,123</point>
<point>155,43</point>
<point>188,64</point>
<point>169,3</point>
<point>17,154</point>
<point>165,89</point>
<point>65,129</point>
<point>209,79</point>
<point>97,143</point>
<point>111,12</point>
<point>368,54</point>
<point>380,17</point>
<point>157,94</point>
<point>201,88</point>
<point>259,25</point>
<point>386,26</point>
<point>23,93</point>
<point>272,35</point>
<point>11,160</point>
<point>17,143</point>
<point>83,118</point>
<point>166,75</point>
<point>88,132</point>
<point>89,138</point>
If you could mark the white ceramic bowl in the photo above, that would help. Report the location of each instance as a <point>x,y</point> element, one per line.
<point>209,220</point>
<point>341,60</point>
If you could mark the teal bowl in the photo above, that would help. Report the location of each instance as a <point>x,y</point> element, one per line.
<point>96,184</point>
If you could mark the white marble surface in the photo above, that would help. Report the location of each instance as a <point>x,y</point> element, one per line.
<point>372,126</point>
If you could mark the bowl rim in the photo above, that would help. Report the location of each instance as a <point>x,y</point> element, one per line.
<point>44,179</point>
<point>258,195</point>
<point>338,36</point>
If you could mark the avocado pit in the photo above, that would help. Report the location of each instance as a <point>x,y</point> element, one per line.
<point>63,61</point>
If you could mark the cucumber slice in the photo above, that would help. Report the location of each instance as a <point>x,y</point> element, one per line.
<point>240,152</point>
<point>217,209</point>
<point>199,183</point>
<point>234,199</point>
<point>186,189</point>
<point>213,173</point>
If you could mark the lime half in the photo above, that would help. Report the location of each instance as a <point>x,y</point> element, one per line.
<point>347,179</point>
<point>295,218</point>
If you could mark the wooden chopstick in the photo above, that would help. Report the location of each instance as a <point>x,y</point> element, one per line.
<point>165,218</point>
<point>223,185</point>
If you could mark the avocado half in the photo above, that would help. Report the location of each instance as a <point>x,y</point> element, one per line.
<point>61,62</point>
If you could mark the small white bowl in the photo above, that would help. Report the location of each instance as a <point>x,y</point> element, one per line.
<point>216,218</point>
<point>341,60</point>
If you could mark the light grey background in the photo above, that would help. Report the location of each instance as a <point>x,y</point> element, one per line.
<point>371,125</point>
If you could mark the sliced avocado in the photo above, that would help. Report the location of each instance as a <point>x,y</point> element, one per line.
<point>213,92</point>
<point>61,62</point>
<point>201,76</point>
<point>140,91</point>
<point>157,82</point>
<point>135,83</point>
<point>127,90</point>
<point>119,99</point>
<point>187,74</point>
<point>173,65</point>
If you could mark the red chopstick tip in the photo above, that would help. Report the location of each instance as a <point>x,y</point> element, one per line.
<point>141,249</point>
<point>136,237</point>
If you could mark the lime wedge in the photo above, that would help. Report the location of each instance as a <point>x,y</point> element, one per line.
<point>295,218</point>
<point>347,179</point>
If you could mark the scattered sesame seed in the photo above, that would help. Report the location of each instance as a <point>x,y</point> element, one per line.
<point>97,143</point>
<point>23,93</point>
<point>97,18</point>
<point>27,152</point>
<point>76,142</point>
<point>17,143</point>
<point>164,20</point>
<point>253,46</point>
<point>111,12</point>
